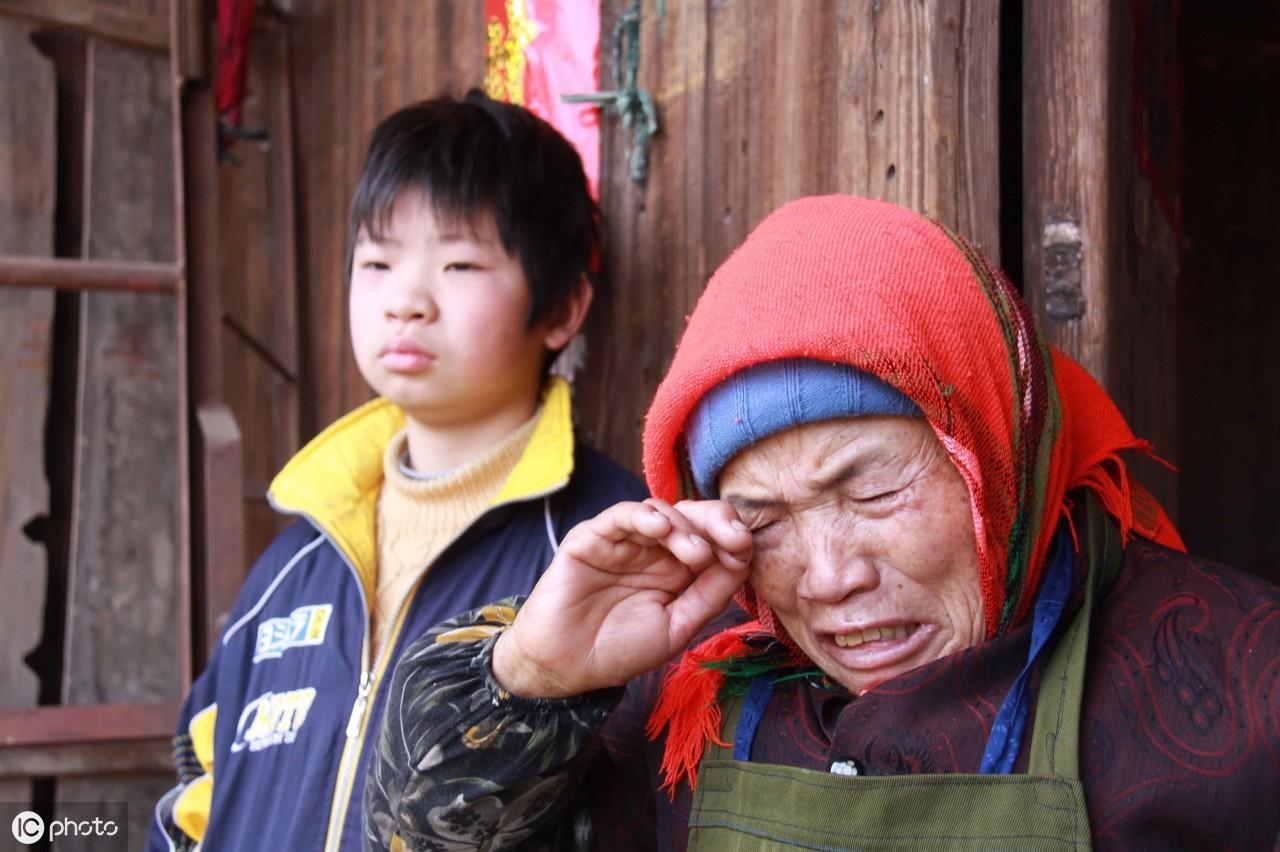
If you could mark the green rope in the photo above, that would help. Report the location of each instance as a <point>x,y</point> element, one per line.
<point>633,105</point>
<point>738,671</point>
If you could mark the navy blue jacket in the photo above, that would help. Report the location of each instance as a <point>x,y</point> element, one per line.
<point>275,735</point>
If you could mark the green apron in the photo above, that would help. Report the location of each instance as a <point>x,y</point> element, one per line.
<point>749,806</point>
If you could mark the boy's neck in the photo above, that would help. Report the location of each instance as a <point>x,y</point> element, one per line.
<point>439,448</point>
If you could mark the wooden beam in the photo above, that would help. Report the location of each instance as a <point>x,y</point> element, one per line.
<point>189,30</point>
<point>220,528</point>
<point>98,275</point>
<point>258,268</point>
<point>129,554</point>
<point>126,566</point>
<point>28,188</point>
<point>96,759</point>
<point>284,191</point>
<point>1101,252</point>
<point>85,724</point>
<point>124,25</point>
<point>216,515</point>
<point>1068,115</point>
<point>197,178</point>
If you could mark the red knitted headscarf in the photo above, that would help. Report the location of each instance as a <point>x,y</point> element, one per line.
<point>866,283</point>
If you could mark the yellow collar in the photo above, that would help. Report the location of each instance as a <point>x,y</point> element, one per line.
<point>335,479</point>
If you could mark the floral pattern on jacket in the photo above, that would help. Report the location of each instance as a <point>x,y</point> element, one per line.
<point>523,759</point>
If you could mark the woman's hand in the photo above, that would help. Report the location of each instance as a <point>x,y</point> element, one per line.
<point>626,592</point>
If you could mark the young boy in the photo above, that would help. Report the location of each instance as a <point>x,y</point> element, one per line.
<point>474,241</point>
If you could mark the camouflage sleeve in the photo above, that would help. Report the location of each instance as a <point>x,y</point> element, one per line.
<point>461,764</point>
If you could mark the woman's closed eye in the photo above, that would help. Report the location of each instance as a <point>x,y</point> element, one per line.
<point>765,530</point>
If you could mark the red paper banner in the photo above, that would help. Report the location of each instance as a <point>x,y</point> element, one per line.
<point>538,50</point>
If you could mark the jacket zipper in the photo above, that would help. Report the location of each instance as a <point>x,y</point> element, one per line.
<point>370,676</point>
<point>357,709</point>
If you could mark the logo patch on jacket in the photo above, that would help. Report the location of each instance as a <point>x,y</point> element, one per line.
<point>306,625</point>
<point>273,719</point>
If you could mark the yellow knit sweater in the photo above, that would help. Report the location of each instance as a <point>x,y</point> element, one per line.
<point>419,517</point>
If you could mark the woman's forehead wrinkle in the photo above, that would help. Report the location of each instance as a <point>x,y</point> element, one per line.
<point>795,465</point>
<point>754,479</point>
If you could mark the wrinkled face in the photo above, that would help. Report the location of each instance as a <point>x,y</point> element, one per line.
<point>864,544</point>
<point>438,318</point>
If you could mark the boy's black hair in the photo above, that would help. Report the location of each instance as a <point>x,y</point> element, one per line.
<point>478,155</point>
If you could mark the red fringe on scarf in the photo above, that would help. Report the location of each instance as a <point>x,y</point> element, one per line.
<point>688,706</point>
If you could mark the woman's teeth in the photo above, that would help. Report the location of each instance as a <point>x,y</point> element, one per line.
<point>852,640</point>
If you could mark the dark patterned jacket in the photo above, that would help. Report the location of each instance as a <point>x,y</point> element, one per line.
<point>1180,730</point>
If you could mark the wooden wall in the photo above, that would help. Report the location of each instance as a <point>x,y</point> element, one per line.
<point>27,162</point>
<point>95,454</point>
<point>258,268</point>
<point>125,590</point>
<point>761,103</point>
<point>355,62</point>
<point>1101,252</point>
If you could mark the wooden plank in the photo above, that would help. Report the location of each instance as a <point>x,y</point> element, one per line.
<point>1101,255</point>
<point>1067,115</point>
<point>123,587</point>
<point>345,82</point>
<point>125,621</point>
<point>196,174</point>
<point>153,757</point>
<point>34,727</point>
<point>133,25</point>
<point>188,31</point>
<point>259,341</point>
<point>27,192</point>
<point>103,276</point>
<point>222,532</point>
<point>763,102</point>
<point>284,219</point>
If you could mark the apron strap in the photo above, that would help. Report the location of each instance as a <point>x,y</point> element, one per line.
<point>1055,739</point>
<point>732,705</point>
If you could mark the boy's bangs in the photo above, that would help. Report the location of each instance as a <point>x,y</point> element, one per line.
<point>457,211</point>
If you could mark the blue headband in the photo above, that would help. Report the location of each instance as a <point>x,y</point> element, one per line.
<point>754,403</point>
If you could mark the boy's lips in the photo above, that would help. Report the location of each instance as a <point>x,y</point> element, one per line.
<point>405,356</point>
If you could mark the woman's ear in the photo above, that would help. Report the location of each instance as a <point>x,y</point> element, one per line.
<point>570,317</point>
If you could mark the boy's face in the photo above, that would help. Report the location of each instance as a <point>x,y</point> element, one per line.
<point>438,319</point>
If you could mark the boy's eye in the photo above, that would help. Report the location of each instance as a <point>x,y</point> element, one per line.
<point>461,266</point>
<point>376,265</point>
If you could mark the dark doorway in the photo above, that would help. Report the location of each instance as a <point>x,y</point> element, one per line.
<point>1229,298</point>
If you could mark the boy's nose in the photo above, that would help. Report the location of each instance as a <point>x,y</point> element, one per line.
<point>411,304</point>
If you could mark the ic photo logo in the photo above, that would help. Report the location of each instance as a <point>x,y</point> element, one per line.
<point>28,827</point>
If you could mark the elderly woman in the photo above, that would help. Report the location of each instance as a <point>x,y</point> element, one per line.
<point>960,624</point>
